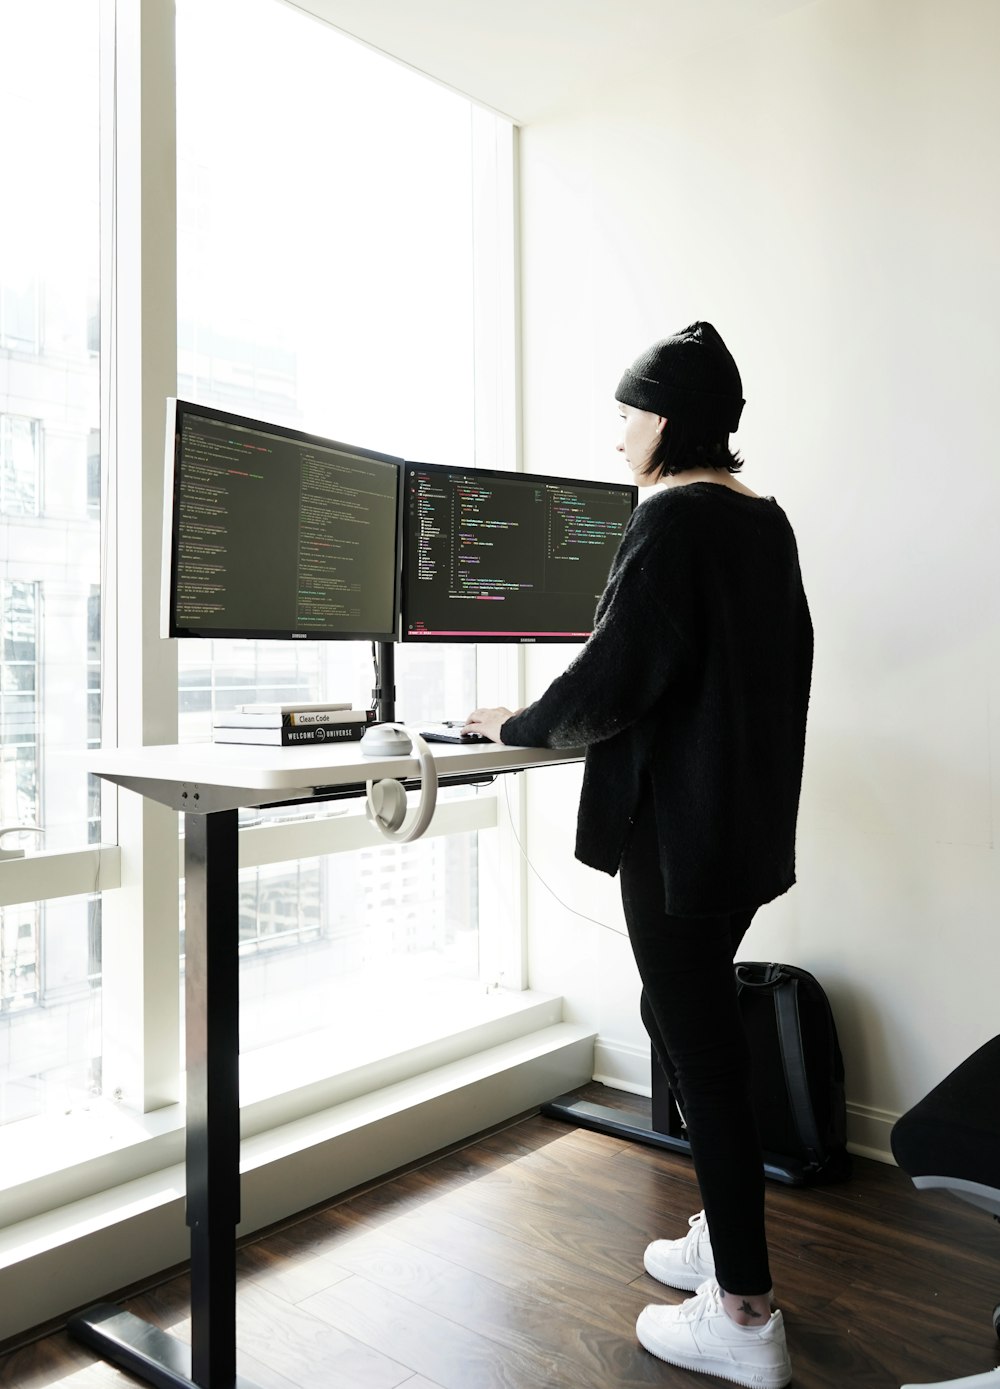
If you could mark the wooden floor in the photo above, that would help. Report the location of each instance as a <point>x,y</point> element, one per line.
<point>515,1262</point>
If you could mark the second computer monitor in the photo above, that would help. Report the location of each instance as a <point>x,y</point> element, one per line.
<point>506,557</point>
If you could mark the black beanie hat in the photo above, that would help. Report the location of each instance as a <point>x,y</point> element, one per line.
<point>691,375</point>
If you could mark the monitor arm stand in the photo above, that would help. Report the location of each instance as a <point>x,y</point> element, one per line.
<point>384,693</point>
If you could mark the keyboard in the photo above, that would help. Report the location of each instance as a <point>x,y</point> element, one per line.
<point>450,731</point>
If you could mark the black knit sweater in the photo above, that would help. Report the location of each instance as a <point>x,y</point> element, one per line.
<point>696,678</point>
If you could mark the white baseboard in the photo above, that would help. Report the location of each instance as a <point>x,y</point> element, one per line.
<point>622,1067</point>
<point>868,1132</point>
<point>55,1263</point>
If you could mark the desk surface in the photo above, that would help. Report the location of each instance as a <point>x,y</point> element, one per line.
<point>204,777</point>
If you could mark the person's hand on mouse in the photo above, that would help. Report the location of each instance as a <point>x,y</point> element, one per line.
<point>487,722</point>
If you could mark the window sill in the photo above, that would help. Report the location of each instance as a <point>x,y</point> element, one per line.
<point>55,1159</point>
<point>63,1258</point>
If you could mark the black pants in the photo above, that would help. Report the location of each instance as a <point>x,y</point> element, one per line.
<point>689,1007</point>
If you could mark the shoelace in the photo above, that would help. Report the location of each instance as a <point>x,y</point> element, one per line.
<point>706,1301</point>
<point>699,1232</point>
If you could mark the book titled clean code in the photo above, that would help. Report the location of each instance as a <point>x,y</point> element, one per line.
<point>291,718</point>
<point>290,737</point>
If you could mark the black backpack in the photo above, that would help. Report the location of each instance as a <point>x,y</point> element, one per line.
<point>798,1076</point>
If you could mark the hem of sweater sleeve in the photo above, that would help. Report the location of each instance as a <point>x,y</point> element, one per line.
<point>508,742</point>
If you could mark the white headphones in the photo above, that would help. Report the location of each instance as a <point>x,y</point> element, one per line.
<point>386,805</point>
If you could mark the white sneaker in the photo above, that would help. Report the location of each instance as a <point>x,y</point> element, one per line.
<point>698,1335</point>
<point>682,1263</point>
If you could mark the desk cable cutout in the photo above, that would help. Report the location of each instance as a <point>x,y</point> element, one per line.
<point>583,916</point>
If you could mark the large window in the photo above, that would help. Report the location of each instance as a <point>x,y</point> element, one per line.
<point>326,279</point>
<point>50,570</point>
<point>339,268</point>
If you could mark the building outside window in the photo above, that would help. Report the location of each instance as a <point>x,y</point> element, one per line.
<point>50,568</point>
<point>20,783</point>
<point>94,473</point>
<point>20,926</point>
<point>20,449</point>
<point>20,312</point>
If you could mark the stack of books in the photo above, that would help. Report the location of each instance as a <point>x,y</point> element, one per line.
<point>285,725</point>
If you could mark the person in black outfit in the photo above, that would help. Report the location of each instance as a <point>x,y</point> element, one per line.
<point>690,697</point>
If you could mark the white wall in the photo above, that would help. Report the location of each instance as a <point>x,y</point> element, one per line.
<point>825,192</point>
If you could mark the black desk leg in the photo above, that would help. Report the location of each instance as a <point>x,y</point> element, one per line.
<point>663,1130</point>
<point>212,991</point>
<point>213,1134</point>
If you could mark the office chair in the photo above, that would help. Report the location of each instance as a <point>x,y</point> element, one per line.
<point>950,1140</point>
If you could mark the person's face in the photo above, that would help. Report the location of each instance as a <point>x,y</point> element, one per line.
<point>640,435</point>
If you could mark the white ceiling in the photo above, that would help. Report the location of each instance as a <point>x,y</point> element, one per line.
<point>532,59</point>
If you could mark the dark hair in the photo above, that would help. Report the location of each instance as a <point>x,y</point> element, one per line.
<point>685,443</point>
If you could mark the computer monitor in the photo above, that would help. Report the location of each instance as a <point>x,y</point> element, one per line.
<point>273,533</point>
<point>506,557</point>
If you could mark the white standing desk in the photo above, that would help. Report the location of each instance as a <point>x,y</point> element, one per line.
<point>209,783</point>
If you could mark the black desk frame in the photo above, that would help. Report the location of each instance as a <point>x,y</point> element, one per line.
<point>212,1155</point>
<point>212,1144</point>
<point>663,1129</point>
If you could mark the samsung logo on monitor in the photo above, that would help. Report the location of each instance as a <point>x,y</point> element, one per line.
<point>526,640</point>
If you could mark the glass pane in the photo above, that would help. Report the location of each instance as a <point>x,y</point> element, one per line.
<point>325,235</point>
<point>20,316</point>
<point>325,280</point>
<point>351,938</point>
<point>50,561</point>
<point>50,1007</point>
<point>20,439</point>
<point>50,557</point>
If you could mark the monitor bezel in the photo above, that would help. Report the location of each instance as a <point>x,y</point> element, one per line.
<point>177,408</point>
<point>497,639</point>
